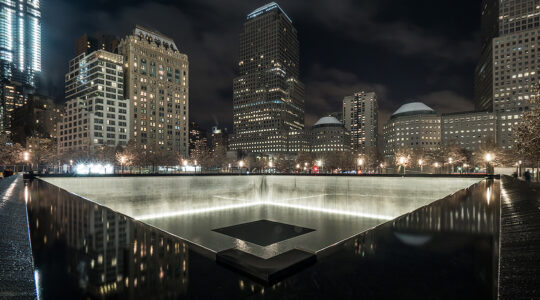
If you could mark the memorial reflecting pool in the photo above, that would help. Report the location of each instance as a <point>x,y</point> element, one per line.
<point>151,235</point>
<point>336,208</point>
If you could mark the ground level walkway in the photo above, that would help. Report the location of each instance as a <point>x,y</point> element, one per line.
<point>520,240</point>
<point>16,264</point>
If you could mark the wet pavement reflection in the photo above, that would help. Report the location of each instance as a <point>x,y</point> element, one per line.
<point>445,250</point>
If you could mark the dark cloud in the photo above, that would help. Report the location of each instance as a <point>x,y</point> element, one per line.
<point>404,50</point>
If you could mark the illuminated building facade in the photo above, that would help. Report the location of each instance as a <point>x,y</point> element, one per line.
<point>96,112</point>
<point>360,117</point>
<point>329,135</point>
<point>219,138</point>
<point>268,98</point>
<point>88,43</point>
<point>483,73</point>
<point>13,95</point>
<point>20,41</point>
<point>38,118</point>
<point>157,86</point>
<point>469,130</point>
<point>508,65</point>
<point>198,142</point>
<point>415,126</point>
<point>516,70</point>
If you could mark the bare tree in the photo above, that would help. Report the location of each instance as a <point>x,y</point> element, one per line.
<point>527,132</point>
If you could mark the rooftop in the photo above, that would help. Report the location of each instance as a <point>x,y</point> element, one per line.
<point>265,8</point>
<point>328,121</point>
<point>413,108</point>
<point>155,35</point>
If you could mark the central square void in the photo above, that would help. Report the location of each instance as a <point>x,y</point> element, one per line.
<point>263,232</point>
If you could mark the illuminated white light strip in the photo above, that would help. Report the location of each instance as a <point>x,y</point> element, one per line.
<point>194,211</point>
<point>36,45</point>
<point>9,32</point>
<point>233,206</point>
<point>21,43</point>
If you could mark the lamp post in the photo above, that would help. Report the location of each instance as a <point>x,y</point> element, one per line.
<point>450,160</point>
<point>241,165</point>
<point>420,163</point>
<point>26,157</point>
<point>436,165</point>
<point>382,168</point>
<point>122,161</point>
<point>185,163</point>
<point>320,164</point>
<point>270,165</point>
<point>360,163</point>
<point>519,168</point>
<point>402,161</point>
<point>488,157</point>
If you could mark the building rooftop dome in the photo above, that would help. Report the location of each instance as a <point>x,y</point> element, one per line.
<point>328,121</point>
<point>413,108</point>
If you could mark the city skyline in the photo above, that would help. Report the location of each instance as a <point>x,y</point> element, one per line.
<point>422,41</point>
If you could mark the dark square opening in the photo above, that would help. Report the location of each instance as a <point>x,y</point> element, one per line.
<point>263,232</point>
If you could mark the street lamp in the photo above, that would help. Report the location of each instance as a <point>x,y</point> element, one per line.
<point>402,161</point>
<point>122,161</point>
<point>360,163</point>
<point>241,165</point>
<point>488,157</point>
<point>319,164</point>
<point>382,167</point>
<point>421,162</point>
<point>450,160</point>
<point>26,157</point>
<point>436,166</point>
<point>519,168</point>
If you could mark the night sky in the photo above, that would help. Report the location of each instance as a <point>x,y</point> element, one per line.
<point>413,50</point>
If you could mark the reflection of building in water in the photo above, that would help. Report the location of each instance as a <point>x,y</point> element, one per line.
<point>157,263</point>
<point>108,253</point>
<point>470,212</point>
<point>453,215</point>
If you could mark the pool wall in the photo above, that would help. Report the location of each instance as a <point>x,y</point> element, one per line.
<point>147,197</point>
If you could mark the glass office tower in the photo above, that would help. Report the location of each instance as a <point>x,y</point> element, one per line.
<point>20,41</point>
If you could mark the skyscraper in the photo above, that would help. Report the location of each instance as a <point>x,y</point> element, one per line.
<point>268,98</point>
<point>157,87</point>
<point>20,41</point>
<point>96,112</point>
<point>483,74</point>
<point>360,114</point>
<point>516,68</point>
